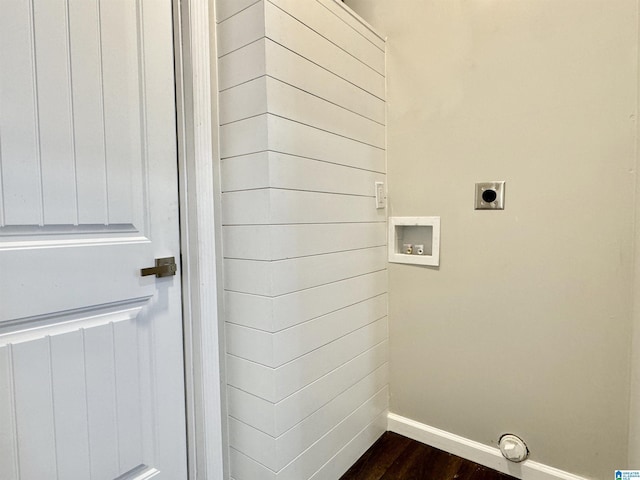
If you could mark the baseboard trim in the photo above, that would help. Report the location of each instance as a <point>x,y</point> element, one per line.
<point>475,451</point>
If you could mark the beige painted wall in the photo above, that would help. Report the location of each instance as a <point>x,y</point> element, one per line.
<point>526,325</point>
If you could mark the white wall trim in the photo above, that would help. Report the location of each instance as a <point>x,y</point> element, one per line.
<point>198,153</point>
<point>475,451</point>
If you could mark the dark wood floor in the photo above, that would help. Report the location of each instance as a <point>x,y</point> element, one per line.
<point>394,457</point>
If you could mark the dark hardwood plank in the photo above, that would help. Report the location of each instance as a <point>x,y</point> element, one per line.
<point>424,462</point>
<point>468,470</point>
<point>405,465</point>
<point>394,457</point>
<point>375,461</point>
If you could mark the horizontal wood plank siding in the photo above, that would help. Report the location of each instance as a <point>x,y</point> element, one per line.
<point>275,384</point>
<point>281,277</point>
<point>241,29</point>
<point>274,350</point>
<point>250,99</point>
<point>276,453</point>
<point>266,57</point>
<point>279,170</point>
<point>228,8</point>
<point>269,132</point>
<point>275,419</point>
<point>277,206</point>
<point>302,140</point>
<point>289,32</point>
<point>273,314</point>
<point>279,242</point>
<point>356,22</point>
<point>307,464</point>
<point>321,20</point>
<point>245,64</point>
<point>347,456</point>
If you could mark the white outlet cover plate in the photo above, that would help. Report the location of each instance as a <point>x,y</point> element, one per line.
<point>380,195</point>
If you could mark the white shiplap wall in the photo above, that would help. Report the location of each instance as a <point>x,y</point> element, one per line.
<point>302,113</point>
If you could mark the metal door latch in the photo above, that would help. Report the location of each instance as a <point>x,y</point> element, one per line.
<point>165,267</point>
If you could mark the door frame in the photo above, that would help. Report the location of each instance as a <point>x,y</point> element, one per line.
<point>198,158</point>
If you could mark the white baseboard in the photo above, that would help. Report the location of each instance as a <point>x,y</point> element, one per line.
<point>475,451</point>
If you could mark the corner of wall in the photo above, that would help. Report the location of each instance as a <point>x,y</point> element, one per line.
<point>301,96</point>
<point>634,395</point>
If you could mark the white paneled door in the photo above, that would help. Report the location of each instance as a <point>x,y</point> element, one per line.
<point>91,364</point>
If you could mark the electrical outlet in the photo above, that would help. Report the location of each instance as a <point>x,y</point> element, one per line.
<point>490,196</point>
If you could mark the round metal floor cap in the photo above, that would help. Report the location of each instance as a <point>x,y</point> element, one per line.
<point>513,448</point>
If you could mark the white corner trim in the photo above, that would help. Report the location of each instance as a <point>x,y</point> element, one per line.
<point>197,127</point>
<point>475,451</point>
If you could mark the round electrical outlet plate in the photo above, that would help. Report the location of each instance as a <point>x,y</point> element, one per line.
<point>513,448</point>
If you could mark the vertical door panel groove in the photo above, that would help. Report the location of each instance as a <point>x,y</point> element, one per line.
<point>122,111</point>
<point>148,391</point>
<point>125,346</point>
<point>142,86</point>
<point>69,398</point>
<point>2,187</point>
<point>36,111</point>
<point>10,468</point>
<point>34,409</point>
<point>87,112</point>
<point>21,182</point>
<point>115,395</point>
<point>102,407</point>
<point>102,114</point>
<point>86,397</point>
<point>53,405</point>
<point>54,112</point>
<point>72,126</point>
<point>14,409</point>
